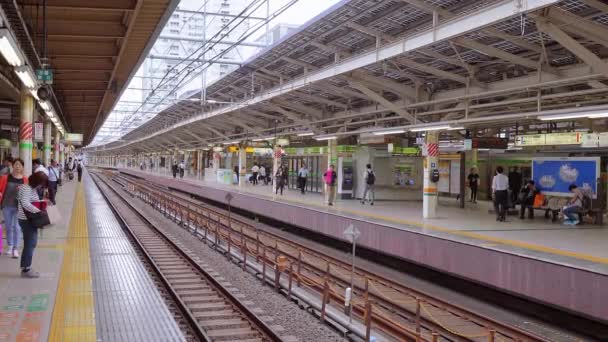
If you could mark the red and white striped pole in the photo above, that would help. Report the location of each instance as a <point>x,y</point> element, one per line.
<point>430,196</point>
<point>26,130</point>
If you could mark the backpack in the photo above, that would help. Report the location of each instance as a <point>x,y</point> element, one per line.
<point>371,178</point>
<point>586,202</point>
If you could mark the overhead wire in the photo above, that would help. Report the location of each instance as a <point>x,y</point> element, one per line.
<point>206,64</point>
<point>243,15</point>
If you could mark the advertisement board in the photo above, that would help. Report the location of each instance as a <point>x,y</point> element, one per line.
<point>553,176</point>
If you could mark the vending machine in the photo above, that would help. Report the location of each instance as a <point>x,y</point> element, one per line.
<point>346,178</point>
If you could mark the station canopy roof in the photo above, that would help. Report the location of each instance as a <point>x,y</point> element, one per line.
<point>365,66</point>
<point>94,47</point>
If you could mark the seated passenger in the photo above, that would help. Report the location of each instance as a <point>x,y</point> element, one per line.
<point>574,206</point>
<point>526,198</point>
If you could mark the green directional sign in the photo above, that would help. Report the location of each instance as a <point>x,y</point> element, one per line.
<point>45,76</point>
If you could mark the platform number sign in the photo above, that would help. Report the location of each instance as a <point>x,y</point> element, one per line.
<point>44,76</point>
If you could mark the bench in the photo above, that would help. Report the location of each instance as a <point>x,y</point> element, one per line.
<point>553,205</point>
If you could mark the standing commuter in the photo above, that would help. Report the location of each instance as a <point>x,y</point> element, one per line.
<point>7,166</point>
<point>330,177</point>
<point>38,167</point>
<point>370,180</point>
<point>54,180</point>
<point>9,189</point>
<point>280,179</point>
<point>71,168</point>
<point>182,169</point>
<point>28,202</point>
<point>174,169</point>
<point>254,170</point>
<point>473,179</point>
<point>515,183</point>
<point>79,169</point>
<point>262,172</point>
<point>500,186</point>
<point>235,169</point>
<point>302,178</point>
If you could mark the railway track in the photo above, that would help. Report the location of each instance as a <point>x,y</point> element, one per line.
<point>213,312</point>
<point>399,311</point>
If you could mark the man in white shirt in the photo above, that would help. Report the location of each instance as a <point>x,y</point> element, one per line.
<point>303,178</point>
<point>38,167</point>
<point>500,186</point>
<point>54,177</point>
<point>182,169</point>
<point>254,170</point>
<point>262,172</point>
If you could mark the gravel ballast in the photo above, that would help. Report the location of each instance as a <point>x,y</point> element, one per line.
<point>284,313</point>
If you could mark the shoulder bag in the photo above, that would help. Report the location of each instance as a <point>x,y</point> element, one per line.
<point>39,219</point>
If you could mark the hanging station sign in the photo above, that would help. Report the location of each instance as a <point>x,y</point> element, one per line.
<point>490,143</point>
<point>38,131</point>
<point>568,138</point>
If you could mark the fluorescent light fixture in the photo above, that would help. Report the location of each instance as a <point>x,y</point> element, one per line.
<point>307,134</point>
<point>326,138</point>
<point>50,114</point>
<point>262,139</point>
<point>598,115</point>
<point>9,49</point>
<point>573,116</point>
<point>26,75</point>
<point>456,128</point>
<point>45,105</point>
<point>230,143</point>
<point>563,116</point>
<point>395,131</point>
<point>430,128</point>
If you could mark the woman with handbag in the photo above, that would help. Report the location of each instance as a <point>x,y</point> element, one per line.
<point>9,188</point>
<point>31,218</point>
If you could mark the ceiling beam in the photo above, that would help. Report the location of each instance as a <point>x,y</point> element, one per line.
<point>575,24</point>
<point>340,91</point>
<point>498,53</point>
<point>597,4</point>
<point>432,70</point>
<point>319,99</point>
<point>369,31</point>
<point>312,112</point>
<point>291,115</point>
<point>381,100</point>
<point>591,59</point>
<point>488,30</point>
<point>451,60</point>
<point>384,83</point>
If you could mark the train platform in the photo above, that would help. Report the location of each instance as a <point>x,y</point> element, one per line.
<point>93,286</point>
<point>519,256</point>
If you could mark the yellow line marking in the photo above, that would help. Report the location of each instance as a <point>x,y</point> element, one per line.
<point>74,311</point>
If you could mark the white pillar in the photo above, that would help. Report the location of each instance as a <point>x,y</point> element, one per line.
<point>276,163</point>
<point>56,146</point>
<point>430,196</point>
<point>25,130</point>
<point>242,166</point>
<point>216,162</point>
<point>48,126</point>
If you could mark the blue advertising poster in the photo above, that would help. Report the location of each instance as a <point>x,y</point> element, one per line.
<point>553,176</point>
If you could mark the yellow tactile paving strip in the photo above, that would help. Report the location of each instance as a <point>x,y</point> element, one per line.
<point>74,312</point>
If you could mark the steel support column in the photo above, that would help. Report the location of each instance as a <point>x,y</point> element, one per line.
<point>25,130</point>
